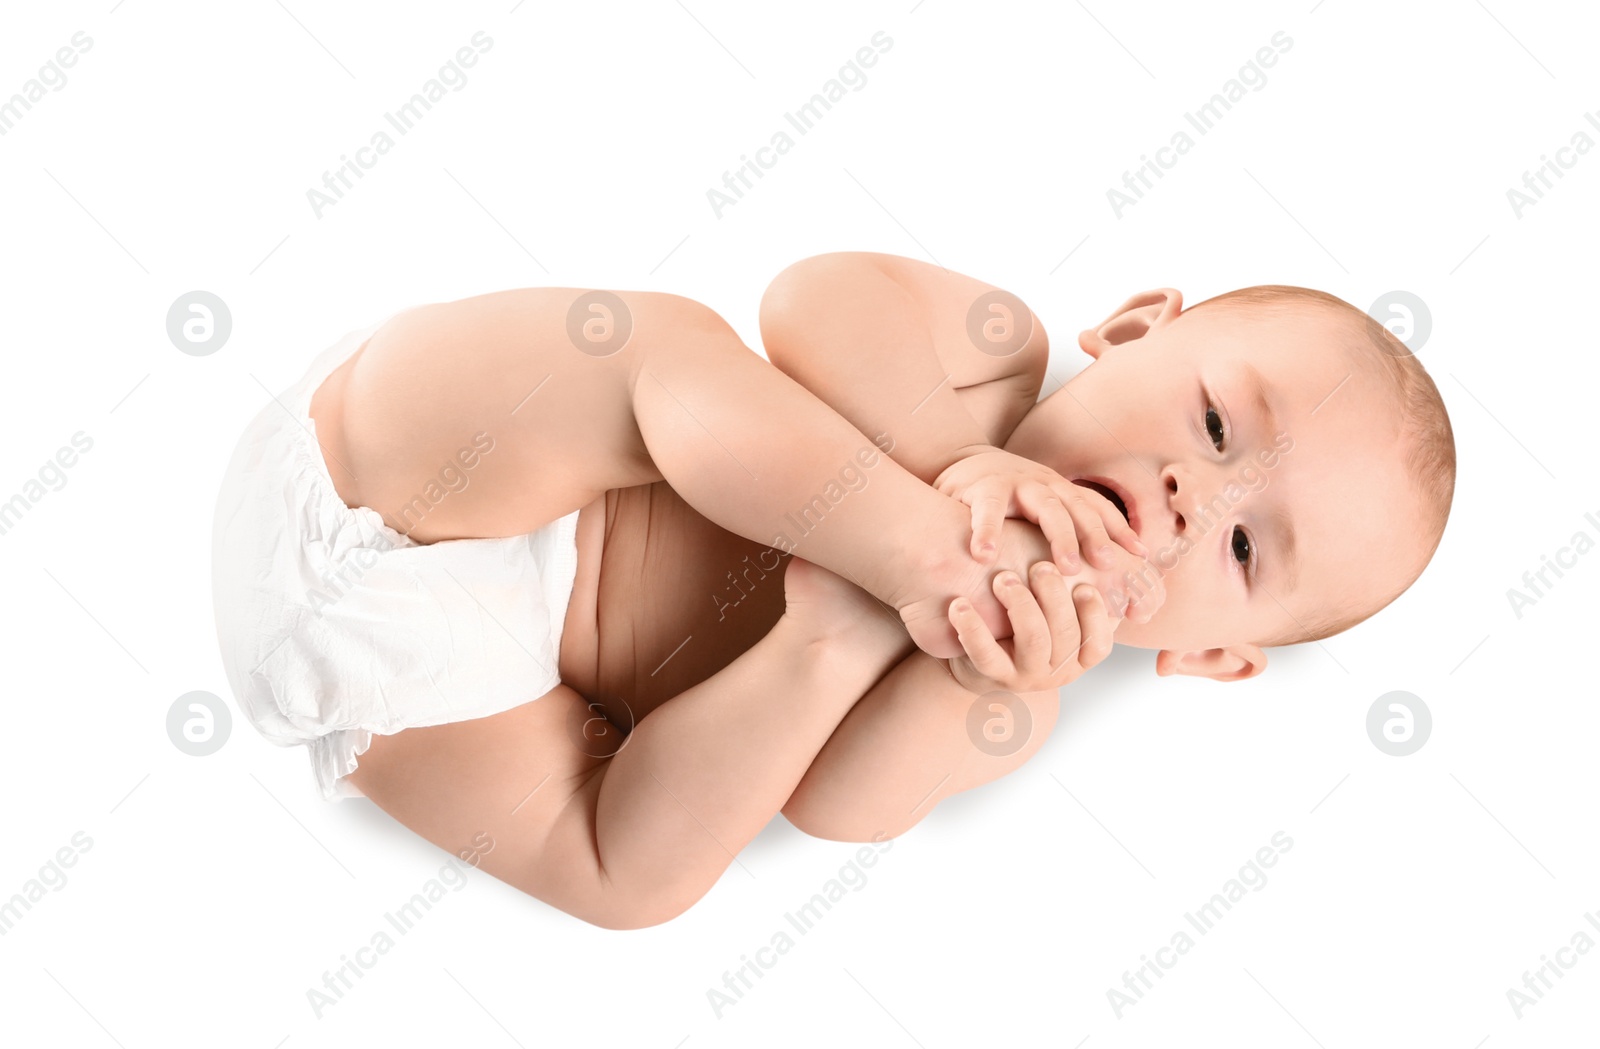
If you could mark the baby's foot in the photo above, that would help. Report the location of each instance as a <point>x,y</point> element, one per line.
<point>926,615</point>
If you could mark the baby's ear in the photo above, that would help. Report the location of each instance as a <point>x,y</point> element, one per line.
<point>1143,313</point>
<point>1234,663</point>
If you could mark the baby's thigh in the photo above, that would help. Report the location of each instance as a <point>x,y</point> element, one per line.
<point>497,414</point>
<point>504,788</point>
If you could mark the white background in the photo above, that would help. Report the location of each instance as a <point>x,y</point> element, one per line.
<point>1376,157</point>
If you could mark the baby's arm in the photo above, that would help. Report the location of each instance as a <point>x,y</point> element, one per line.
<point>760,455</point>
<point>915,738</point>
<point>885,341</point>
<point>923,733</point>
<point>628,834</point>
<point>906,744</point>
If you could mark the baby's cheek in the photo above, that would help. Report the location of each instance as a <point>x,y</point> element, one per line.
<point>1188,610</point>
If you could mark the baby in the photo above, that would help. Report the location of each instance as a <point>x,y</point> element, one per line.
<point>517,553</point>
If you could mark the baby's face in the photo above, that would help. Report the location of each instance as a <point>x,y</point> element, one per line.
<point>1258,462</point>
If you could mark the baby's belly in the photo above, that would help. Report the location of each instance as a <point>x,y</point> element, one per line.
<point>663,599</point>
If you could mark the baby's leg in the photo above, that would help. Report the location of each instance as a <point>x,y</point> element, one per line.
<point>683,399</point>
<point>635,839</point>
<point>762,456</point>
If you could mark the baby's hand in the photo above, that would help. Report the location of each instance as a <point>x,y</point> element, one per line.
<point>1056,635</point>
<point>998,484</point>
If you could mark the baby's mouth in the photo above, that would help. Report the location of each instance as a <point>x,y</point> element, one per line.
<point>1113,493</point>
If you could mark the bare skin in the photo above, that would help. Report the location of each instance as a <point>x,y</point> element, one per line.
<point>1260,453</point>
<point>870,777</point>
<point>631,839</point>
<point>689,415</point>
<point>1304,429</point>
<point>683,402</point>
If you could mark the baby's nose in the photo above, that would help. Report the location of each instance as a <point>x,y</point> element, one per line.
<point>1199,498</point>
<point>1169,478</point>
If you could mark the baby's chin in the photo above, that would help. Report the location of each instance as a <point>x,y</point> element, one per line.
<point>1141,635</point>
<point>1158,634</point>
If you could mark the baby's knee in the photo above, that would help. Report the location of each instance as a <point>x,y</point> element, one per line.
<point>621,898</point>
<point>858,826</point>
<point>627,910</point>
<point>682,314</point>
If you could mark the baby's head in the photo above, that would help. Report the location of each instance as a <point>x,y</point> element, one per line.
<point>1286,460</point>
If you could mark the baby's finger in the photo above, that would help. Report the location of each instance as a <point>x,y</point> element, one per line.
<point>1094,624</point>
<point>1093,539</point>
<point>1043,506</point>
<point>1030,634</point>
<point>988,511</point>
<point>983,651</point>
<point>1116,526</point>
<point>1060,615</point>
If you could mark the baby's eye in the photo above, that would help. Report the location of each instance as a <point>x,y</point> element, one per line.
<point>1241,546</point>
<point>1214,427</point>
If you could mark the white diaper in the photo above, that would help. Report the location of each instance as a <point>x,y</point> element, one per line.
<point>334,626</point>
